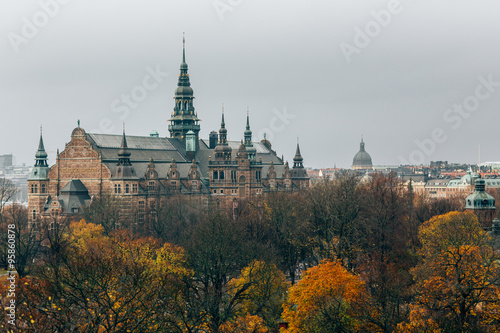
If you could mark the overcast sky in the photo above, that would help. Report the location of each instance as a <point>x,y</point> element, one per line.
<point>396,72</point>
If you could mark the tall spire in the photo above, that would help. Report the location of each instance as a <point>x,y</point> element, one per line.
<point>362,144</point>
<point>248,132</point>
<point>41,155</point>
<point>183,48</point>
<point>184,117</point>
<point>223,130</point>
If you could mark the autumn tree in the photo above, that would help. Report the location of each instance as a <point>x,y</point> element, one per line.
<point>170,219</point>
<point>104,210</point>
<point>27,239</point>
<point>458,279</point>
<point>289,230</point>
<point>386,259</point>
<point>335,207</point>
<point>265,293</point>
<point>7,192</point>
<point>104,283</point>
<point>328,298</point>
<point>217,251</point>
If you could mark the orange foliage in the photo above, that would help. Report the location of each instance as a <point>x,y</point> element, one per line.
<point>327,299</point>
<point>457,282</point>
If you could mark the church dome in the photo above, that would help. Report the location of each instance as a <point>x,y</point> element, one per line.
<point>362,160</point>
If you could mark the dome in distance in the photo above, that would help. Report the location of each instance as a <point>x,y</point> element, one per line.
<point>362,160</point>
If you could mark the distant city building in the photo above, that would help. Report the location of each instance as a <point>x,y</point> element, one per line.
<point>362,160</point>
<point>142,169</point>
<point>6,161</point>
<point>17,174</point>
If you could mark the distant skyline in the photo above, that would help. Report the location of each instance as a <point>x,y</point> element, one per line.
<point>419,80</point>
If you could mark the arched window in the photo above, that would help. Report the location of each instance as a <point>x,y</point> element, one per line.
<point>127,188</point>
<point>216,175</point>
<point>116,188</point>
<point>221,174</point>
<point>42,188</point>
<point>119,188</point>
<point>241,184</point>
<point>33,214</point>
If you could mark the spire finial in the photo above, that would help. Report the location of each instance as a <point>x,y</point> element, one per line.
<point>78,122</point>
<point>248,119</point>
<point>41,131</point>
<point>183,47</point>
<point>223,123</point>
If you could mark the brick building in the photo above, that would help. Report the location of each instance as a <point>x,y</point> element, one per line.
<point>140,169</point>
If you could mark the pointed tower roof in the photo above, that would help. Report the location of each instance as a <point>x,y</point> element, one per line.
<point>223,130</point>
<point>41,155</point>
<point>298,162</point>
<point>251,150</point>
<point>248,132</point>
<point>41,168</point>
<point>184,117</point>
<point>124,169</point>
<point>124,153</point>
<point>298,156</point>
<point>184,85</point>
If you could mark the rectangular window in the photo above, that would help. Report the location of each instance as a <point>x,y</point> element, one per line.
<point>134,188</point>
<point>216,175</point>
<point>42,188</point>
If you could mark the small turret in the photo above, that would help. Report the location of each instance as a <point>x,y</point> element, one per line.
<point>124,169</point>
<point>41,168</point>
<point>248,140</point>
<point>223,151</point>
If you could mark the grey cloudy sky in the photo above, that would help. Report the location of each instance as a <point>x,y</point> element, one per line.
<point>400,76</point>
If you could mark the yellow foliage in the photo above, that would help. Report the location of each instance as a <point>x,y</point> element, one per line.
<point>326,299</point>
<point>245,324</point>
<point>457,281</point>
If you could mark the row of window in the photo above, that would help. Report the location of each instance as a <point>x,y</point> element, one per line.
<point>118,188</point>
<point>34,188</point>
<point>220,175</point>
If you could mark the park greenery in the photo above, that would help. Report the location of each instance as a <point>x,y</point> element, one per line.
<point>346,255</point>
